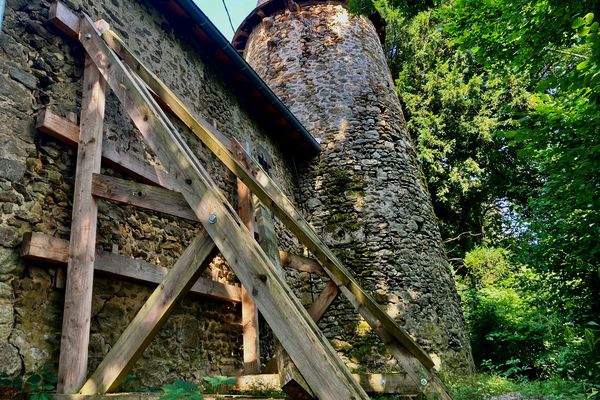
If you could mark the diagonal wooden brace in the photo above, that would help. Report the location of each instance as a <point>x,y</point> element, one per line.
<point>140,332</point>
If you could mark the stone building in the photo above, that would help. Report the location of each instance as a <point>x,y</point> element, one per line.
<point>363,192</point>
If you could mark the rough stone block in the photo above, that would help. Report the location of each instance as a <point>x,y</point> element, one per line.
<point>11,361</point>
<point>12,170</point>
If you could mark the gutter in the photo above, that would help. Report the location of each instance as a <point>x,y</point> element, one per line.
<point>194,11</point>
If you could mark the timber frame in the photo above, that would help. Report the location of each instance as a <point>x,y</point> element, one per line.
<point>308,366</point>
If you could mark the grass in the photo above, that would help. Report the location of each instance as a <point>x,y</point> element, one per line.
<point>484,386</point>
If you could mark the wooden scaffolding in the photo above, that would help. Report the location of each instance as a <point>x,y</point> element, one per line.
<point>308,366</point>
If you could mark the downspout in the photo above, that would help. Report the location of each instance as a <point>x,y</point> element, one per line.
<point>2,7</point>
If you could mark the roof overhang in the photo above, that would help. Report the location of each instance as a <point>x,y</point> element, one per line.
<point>284,127</point>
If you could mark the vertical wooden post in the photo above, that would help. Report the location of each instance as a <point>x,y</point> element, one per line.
<point>251,340</point>
<point>72,367</point>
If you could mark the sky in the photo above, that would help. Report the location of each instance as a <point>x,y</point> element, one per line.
<point>239,9</point>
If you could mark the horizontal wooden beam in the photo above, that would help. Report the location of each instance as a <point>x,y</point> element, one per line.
<point>141,195</point>
<point>393,383</point>
<point>51,250</point>
<point>372,383</point>
<point>68,133</point>
<point>64,19</point>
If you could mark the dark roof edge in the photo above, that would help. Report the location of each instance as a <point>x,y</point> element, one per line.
<point>194,11</point>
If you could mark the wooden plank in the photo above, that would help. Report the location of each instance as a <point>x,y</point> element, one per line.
<point>316,312</point>
<point>155,311</point>
<point>55,251</point>
<point>290,379</point>
<point>250,328</point>
<point>141,195</point>
<point>57,127</point>
<point>322,303</point>
<point>72,367</point>
<point>327,375</point>
<point>68,132</point>
<point>391,383</point>
<point>64,19</point>
<point>270,195</point>
<point>415,372</point>
<point>301,263</point>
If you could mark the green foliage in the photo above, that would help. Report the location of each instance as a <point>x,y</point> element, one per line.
<point>502,99</point>
<point>181,390</point>
<point>484,386</point>
<point>38,386</point>
<point>523,35</point>
<point>218,383</point>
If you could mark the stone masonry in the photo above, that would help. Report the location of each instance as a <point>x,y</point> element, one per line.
<point>365,194</point>
<point>41,68</point>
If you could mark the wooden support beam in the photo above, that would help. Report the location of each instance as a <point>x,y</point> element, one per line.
<point>68,132</point>
<point>55,251</point>
<point>250,328</point>
<point>322,303</point>
<point>290,379</point>
<point>140,195</point>
<point>140,332</point>
<point>301,263</point>
<point>270,195</point>
<point>273,197</point>
<point>322,368</point>
<point>64,19</point>
<point>392,383</point>
<point>72,367</point>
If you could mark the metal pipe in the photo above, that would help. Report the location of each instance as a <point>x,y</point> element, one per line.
<point>2,7</point>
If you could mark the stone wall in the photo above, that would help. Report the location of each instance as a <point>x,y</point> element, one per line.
<point>365,194</point>
<point>40,68</point>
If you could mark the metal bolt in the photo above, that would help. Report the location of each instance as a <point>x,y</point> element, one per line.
<point>212,218</point>
<point>424,382</point>
<point>88,36</point>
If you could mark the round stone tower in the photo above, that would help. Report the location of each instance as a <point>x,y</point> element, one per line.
<point>365,194</point>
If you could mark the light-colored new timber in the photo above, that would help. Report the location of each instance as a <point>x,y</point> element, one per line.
<point>250,330</point>
<point>72,366</point>
<point>321,367</point>
<point>140,332</point>
<point>51,250</point>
